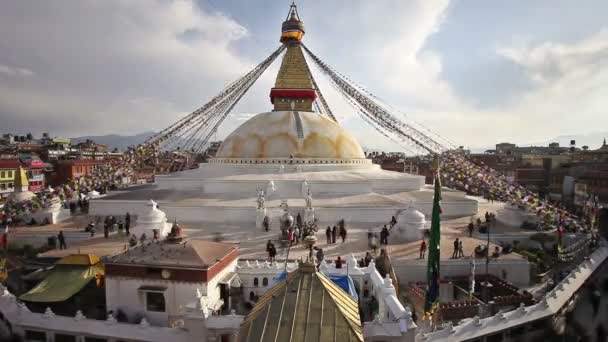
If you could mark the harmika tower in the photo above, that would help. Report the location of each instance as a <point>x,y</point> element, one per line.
<point>293,89</point>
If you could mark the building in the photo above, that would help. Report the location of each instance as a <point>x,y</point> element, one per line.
<point>595,184</point>
<point>156,279</point>
<point>8,171</point>
<point>89,150</point>
<point>306,303</point>
<point>35,171</point>
<point>56,149</point>
<point>71,169</point>
<point>335,292</point>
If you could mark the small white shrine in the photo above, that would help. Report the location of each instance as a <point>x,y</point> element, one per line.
<point>411,224</point>
<point>151,222</point>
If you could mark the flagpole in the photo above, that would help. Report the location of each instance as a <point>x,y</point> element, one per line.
<point>433,262</point>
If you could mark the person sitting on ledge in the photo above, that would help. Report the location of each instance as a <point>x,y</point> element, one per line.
<point>339,262</point>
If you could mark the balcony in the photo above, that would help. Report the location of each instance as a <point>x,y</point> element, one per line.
<point>38,177</point>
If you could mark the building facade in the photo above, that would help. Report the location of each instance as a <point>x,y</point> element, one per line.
<point>8,171</point>
<point>157,279</point>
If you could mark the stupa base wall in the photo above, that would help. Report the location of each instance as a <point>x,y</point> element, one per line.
<point>247,215</point>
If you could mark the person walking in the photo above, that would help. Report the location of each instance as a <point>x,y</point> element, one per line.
<point>460,250</point>
<point>368,258</point>
<point>106,231</point>
<point>456,244</point>
<point>268,246</point>
<point>422,249</point>
<point>127,223</point>
<point>328,234</point>
<point>393,221</point>
<point>266,223</point>
<point>471,226</point>
<point>334,233</point>
<point>343,233</point>
<point>299,221</point>
<point>291,236</point>
<point>61,239</point>
<point>320,255</point>
<point>272,253</point>
<point>384,236</point>
<point>297,235</point>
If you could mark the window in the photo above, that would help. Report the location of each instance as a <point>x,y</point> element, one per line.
<point>494,338</point>
<point>256,282</point>
<point>34,335</point>
<point>518,331</point>
<point>64,338</point>
<point>265,282</point>
<point>94,339</point>
<point>155,301</point>
<point>154,271</point>
<point>2,174</point>
<point>2,186</point>
<point>539,324</point>
<point>10,185</point>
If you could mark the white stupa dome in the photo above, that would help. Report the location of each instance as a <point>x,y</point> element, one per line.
<point>412,215</point>
<point>282,134</point>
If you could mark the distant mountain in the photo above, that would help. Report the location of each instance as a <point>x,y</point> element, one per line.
<point>593,140</point>
<point>117,141</point>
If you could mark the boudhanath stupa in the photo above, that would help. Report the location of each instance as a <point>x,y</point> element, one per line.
<point>290,157</point>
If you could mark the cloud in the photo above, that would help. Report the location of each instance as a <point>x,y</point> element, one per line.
<point>549,62</point>
<point>572,83</point>
<point>95,67</point>
<point>14,71</point>
<point>567,92</point>
<point>121,67</point>
<point>567,96</point>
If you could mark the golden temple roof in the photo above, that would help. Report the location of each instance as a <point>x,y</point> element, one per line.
<point>306,306</point>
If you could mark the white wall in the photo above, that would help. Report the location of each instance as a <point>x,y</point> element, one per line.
<point>122,293</point>
<point>260,270</point>
<point>197,327</point>
<point>104,207</point>
<point>518,271</point>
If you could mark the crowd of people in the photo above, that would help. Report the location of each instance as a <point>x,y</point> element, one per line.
<point>75,192</point>
<point>332,232</point>
<point>480,180</point>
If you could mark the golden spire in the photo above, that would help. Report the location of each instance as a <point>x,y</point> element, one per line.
<point>21,181</point>
<point>293,88</point>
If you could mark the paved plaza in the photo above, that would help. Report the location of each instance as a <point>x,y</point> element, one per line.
<point>252,241</point>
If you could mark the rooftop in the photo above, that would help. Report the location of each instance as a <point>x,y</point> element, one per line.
<point>306,306</point>
<point>188,253</point>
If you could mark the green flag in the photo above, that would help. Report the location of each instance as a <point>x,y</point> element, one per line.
<point>432,272</point>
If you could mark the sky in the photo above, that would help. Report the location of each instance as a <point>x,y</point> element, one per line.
<point>475,72</point>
